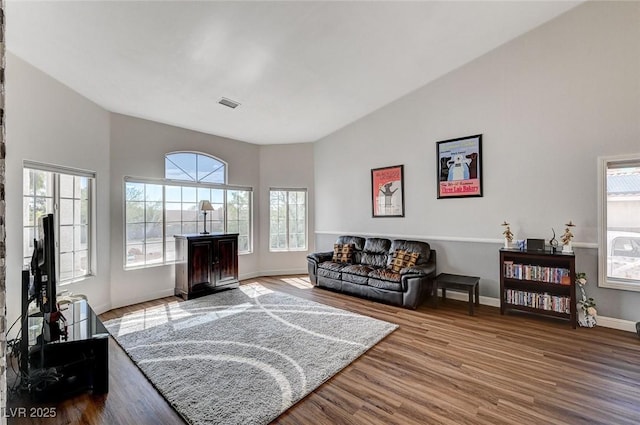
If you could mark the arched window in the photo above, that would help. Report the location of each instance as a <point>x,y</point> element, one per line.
<point>194,167</point>
<point>158,209</point>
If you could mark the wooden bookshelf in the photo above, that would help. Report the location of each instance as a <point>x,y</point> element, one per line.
<point>538,282</point>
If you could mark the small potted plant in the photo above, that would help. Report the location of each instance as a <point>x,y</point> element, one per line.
<point>587,312</point>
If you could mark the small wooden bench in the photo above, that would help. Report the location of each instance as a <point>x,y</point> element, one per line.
<point>469,284</point>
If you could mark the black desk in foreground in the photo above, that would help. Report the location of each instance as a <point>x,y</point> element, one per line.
<point>470,284</point>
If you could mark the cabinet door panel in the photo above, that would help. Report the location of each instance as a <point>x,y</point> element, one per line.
<point>227,260</point>
<point>200,264</point>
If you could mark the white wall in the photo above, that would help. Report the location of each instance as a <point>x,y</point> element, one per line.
<point>548,104</point>
<point>47,122</point>
<point>137,149</point>
<point>285,166</point>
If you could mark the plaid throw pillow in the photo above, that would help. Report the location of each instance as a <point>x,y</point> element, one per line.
<point>342,253</point>
<point>402,259</point>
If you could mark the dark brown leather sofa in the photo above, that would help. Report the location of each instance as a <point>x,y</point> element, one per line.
<point>367,274</point>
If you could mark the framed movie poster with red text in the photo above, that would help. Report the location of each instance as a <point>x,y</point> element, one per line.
<point>459,167</point>
<point>387,189</point>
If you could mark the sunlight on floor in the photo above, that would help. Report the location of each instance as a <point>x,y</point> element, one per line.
<point>298,282</point>
<point>254,289</point>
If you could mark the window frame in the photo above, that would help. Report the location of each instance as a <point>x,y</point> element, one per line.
<point>181,183</point>
<point>197,154</point>
<point>56,196</point>
<point>287,248</point>
<point>604,281</point>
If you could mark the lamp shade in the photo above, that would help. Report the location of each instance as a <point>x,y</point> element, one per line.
<point>206,206</point>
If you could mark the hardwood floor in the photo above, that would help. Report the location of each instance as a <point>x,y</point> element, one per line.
<point>440,367</point>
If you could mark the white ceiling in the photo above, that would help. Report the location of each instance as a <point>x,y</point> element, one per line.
<point>301,70</point>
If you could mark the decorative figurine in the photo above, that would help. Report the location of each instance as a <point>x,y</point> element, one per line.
<point>508,236</point>
<point>553,242</point>
<point>567,237</point>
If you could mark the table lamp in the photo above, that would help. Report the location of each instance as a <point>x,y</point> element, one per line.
<point>204,207</point>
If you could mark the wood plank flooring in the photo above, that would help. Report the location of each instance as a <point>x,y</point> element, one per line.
<point>440,367</point>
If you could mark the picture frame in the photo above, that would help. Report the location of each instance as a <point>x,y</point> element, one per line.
<point>387,191</point>
<point>459,167</point>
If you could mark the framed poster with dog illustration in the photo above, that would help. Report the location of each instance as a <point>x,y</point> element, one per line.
<point>387,190</point>
<point>459,167</point>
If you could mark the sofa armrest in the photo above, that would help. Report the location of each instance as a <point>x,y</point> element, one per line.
<point>423,270</point>
<point>313,260</point>
<point>320,257</point>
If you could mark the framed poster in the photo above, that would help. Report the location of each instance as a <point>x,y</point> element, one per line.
<point>387,190</point>
<point>459,167</point>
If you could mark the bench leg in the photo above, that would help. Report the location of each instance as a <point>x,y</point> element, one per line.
<point>477,286</point>
<point>471,302</point>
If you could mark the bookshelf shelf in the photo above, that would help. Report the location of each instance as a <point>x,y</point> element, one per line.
<point>538,282</point>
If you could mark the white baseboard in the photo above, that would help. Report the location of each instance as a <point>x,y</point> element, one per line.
<point>605,322</point>
<point>143,298</point>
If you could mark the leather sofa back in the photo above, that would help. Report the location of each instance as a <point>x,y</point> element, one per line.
<point>422,248</point>
<point>376,252</point>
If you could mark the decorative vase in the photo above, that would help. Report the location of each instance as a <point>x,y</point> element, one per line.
<point>586,320</point>
<point>507,244</point>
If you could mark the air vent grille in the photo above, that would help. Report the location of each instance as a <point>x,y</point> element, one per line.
<point>229,103</point>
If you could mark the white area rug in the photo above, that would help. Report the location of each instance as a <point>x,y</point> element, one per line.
<point>245,355</point>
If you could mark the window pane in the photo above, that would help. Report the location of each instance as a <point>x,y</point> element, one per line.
<point>134,191</point>
<point>27,242</point>
<point>66,266</point>
<point>84,211</point>
<point>80,263</point>
<point>66,238</point>
<point>173,229</point>
<point>190,212</point>
<point>135,212</point>
<point>81,237</point>
<point>66,211</point>
<point>135,255</point>
<point>182,165</point>
<point>189,227</point>
<point>42,182</point>
<point>153,193</point>
<point>173,193</point>
<point>66,186</point>
<point>154,212</point>
<point>189,194</point>
<point>153,232</point>
<point>154,253</point>
<point>623,222</point>
<point>135,233</point>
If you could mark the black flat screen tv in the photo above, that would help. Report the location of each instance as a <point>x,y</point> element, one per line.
<point>43,269</point>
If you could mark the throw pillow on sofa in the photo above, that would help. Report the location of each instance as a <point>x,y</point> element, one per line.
<point>342,253</point>
<point>402,259</point>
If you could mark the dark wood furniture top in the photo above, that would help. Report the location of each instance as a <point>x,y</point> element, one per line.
<point>205,263</point>
<point>469,284</point>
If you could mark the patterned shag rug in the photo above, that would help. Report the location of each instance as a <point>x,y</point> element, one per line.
<point>243,356</point>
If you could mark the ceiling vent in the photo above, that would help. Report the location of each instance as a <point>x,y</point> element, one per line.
<point>228,102</point>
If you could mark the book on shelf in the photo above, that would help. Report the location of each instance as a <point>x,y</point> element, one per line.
<point>557,275</point>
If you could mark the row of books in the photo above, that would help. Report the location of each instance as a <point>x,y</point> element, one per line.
<point>544,301</point>
<point>538,273</point>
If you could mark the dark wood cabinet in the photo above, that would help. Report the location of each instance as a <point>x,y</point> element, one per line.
<point>205,263</point>
<point>538,282</point>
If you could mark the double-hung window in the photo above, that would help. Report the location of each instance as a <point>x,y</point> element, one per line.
<point>67,194</point>
<point>287,219</point>
<point>619,222</point>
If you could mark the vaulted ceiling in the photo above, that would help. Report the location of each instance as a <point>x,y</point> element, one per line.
<point>299,69</point>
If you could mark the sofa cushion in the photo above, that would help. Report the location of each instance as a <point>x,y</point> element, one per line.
<point>358,245</point>
<point>421,248</point>
<point>402,259</point>
<point>376,252</point>
<point>342,253</point>
<point>385,279</point>
<point>331,270</point>
<point>356,273</point>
